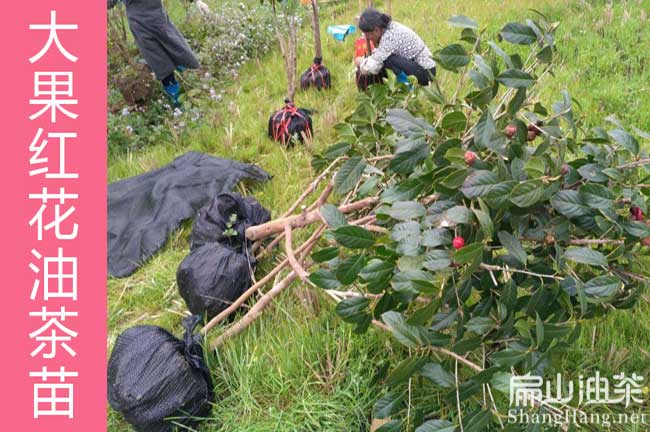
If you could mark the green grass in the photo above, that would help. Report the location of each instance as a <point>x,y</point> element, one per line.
<point>300,370</point>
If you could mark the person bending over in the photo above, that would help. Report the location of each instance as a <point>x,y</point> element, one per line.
<point>159,42</point>
<point>399,48</point>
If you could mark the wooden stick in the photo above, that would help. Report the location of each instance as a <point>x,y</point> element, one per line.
<point>318,48</point>
<point>274,227</point>
<point>295,265</point>
<point>237,303</point>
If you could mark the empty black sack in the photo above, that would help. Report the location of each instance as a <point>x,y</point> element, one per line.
<point>366,80</point>
<point>316,76</point>
<point>289,123</point>
<point>153,376</point>
<point>143,210</point>
<point>213,276</point>
<point>213,220</point>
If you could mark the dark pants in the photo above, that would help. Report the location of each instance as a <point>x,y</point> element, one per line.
<point>399,64</point>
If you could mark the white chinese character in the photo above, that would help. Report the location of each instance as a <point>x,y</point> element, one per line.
<point>50,85</point>
<point>558,398</point>
<point>53,37</point>
<point>597,391</point>
<point>56,399</point>
<point>53,338</point>
<point>58,217</point>
<point>37,146</point>
<point>58,275</point>
<point>629,388</point>
<point>526,389</point>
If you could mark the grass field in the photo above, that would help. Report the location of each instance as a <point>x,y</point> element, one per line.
<point>300,368</point>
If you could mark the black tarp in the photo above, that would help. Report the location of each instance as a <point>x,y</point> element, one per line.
<point>153,376</point>
<point>143,210</point>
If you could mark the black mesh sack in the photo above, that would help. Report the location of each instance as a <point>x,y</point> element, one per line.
<point>155,379</point>
<point>211,277</point>
<point>288,124</point>
<point>316,76</point>
<point>365,80</point>
<point>213,222</point>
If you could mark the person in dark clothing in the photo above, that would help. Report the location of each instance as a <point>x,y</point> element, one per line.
<point>159,42</point>
<point>399,48</point>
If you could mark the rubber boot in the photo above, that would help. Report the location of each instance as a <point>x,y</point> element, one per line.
<point>174,91</point>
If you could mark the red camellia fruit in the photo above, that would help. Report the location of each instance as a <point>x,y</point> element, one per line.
<point>511,130</point>
<point>470,157</point>
<point>458,242</point>
<point>637,213</point>
<point>531,135</point>
<point>645,241</point>
<point>565,169</point>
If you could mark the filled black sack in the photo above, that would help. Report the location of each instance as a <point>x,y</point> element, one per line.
<point>155,379</point>
<point>288,124</point>
<point>316,76</point>
<point>214,222</point>
<point>365,80</point>
<point>213,276</point>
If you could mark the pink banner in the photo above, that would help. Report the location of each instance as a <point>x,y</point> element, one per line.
<point>54,247</point>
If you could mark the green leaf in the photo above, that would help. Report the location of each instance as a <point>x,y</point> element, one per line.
<point>513,246</point>
<point>482,183</point>
<point>349,175</point>
<point>468,253</point>
<point>336,150</point>
<point>596,196</point>
<point>592,172</point>
<point>333,217</point>
<point>436,237</point>
<point>527,193</point>
<point>406,210</point>
<point>508,357</point>
<point>354,237</point>
<point>539,329</point>
<point>626,140</point>
<point>391,426</point>
<point>545,55</point>
<point>485,129</point>
<point>325,279</point>
<point>436,260</point>
<point>516,78</point>
<point>484,220</point>
<point>479,421</point>
<point>458,215</point>
<point>406,334</point>
<point>436,426</point>
<point>455,179</point>
<point>406,160</point>
<point>452,57</point>
<point>438,375</point>
<point>376,270</point>
<point>480,325</point>
<point>325,254</point>
<point>585,255</point>
<point>454,121</point>
<point>405,124</point>
<point>352,309</point>
<point>462,21</point>
<point>636,229</point>
<point>388,405</point>
<point>349,269</point>
<point>603,286</point>
<point>570,204</point>
<point>519,34</point>
<point>498,51</point>
<point>405,370</point>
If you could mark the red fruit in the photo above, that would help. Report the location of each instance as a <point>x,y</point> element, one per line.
<point>470,157</point>
<point>645,241</point>
<point>511,130</point>
<point>565,169</point>
<point>458,242</point>
<point>531,135</point>
<point>531,127</point>
<point>637,213</point>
